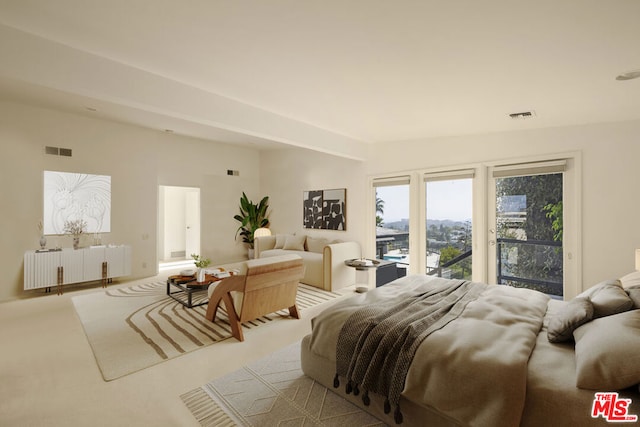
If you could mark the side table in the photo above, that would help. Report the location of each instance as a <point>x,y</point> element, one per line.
<point>362,266</point>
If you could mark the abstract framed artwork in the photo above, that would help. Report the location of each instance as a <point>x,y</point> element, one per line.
<point>325,209</point>
<point>73,196</point>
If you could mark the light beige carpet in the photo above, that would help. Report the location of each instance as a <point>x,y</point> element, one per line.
<point>133,328</point>
<point>273,391</point>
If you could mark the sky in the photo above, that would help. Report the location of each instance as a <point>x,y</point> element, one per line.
<point>445,200</point>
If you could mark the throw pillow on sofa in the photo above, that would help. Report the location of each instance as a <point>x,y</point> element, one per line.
<point>316,245</point>
<point>294,243</point>
<point>280,240</point>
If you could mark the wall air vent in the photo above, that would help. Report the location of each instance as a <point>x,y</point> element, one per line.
<point>56,151</point>
<point>52,150</point>
<point>523,115</point>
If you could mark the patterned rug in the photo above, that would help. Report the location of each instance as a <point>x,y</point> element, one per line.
<point>130,329</point>
<point>273,391</point>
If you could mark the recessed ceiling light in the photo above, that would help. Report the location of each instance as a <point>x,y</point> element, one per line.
<point>91,109</point>
<point>168,130</point>
<point>629,75</point>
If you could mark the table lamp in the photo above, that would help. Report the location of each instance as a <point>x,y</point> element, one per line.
<point>261,232</point>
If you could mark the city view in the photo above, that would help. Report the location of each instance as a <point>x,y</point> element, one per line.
<point>448,226</point>
<point>527,234</point>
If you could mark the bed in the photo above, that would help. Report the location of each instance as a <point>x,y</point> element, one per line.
<point>485,357</point>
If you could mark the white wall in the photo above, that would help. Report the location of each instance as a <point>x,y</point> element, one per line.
<point>610,175</point>
<point>287,173</point>
<point>138,161</point>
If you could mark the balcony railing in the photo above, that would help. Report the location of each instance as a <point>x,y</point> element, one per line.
<point>543,258</point>
<point>447,268</point>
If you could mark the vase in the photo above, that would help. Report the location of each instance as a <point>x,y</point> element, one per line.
<point>76,242</point>
<point>43,242</point>
<point>200,275</point>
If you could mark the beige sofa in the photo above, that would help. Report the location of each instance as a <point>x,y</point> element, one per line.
<point>323,259</point>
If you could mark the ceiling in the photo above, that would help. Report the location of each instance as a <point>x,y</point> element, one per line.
<point>326,74</point>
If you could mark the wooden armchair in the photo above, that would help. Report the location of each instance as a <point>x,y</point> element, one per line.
<point>270,284</point>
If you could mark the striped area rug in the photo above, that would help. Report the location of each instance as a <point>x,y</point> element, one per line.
<point>130,329</point>
<point>273,391</point>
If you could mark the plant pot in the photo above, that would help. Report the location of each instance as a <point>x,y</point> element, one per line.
<point>251,253</point>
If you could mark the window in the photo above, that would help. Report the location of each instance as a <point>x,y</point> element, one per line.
<point>392,210</point>
<point>449,229</point>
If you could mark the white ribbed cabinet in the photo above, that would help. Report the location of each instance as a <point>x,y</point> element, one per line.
<point>57,268</point>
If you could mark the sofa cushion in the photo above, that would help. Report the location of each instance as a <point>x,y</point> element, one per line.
<point>280,240</point>
<point>316,245</point>
<point>294,243</point>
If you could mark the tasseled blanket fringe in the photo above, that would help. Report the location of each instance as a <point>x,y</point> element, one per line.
<point>351,387</point>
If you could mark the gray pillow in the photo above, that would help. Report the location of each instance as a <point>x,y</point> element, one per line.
<point>634,294</point>
<point>608,352</point>
<point>573,315</point>
<point>608,298</point>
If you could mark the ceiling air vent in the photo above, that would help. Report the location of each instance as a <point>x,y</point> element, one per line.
<point>523,115</point>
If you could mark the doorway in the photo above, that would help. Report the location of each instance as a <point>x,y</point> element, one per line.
<point>526,227</point>
<point>178,226</point>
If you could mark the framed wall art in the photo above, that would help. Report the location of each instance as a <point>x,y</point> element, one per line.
<point>325,209</point>
<point>76,196</point>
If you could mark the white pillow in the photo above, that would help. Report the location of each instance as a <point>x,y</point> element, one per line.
<point>294,243</point>
<point>631,279</point>
<point>316,244</point>
<point>280,241</point>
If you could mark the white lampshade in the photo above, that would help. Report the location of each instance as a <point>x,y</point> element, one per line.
<point>262,232</point>
<point>637,259</point>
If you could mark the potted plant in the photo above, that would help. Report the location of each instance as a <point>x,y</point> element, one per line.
<point>75,228</point>
<point>201,264</point>
<point>251,218</point>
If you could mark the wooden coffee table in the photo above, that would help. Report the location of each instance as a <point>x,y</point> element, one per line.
<point>184,288</point>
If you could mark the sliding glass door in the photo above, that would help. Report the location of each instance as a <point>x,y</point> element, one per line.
<point>526,227</point>
<point>514,224</point>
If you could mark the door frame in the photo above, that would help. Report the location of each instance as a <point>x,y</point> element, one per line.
<point>572,205</point>
<point>572,218</point>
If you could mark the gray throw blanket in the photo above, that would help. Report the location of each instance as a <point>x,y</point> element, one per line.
<point>377,342</point>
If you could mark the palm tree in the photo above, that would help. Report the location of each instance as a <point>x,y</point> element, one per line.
<point>379,210</point>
